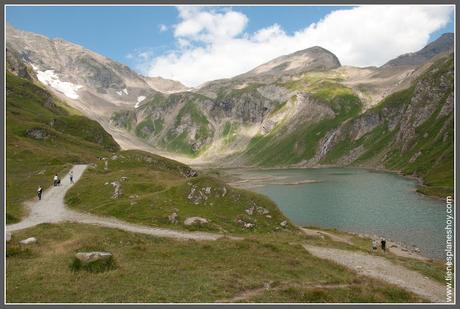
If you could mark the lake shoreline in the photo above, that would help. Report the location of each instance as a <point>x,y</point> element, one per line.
<point>249,179</point>
<point>396,247</point>
<point>418,179</point>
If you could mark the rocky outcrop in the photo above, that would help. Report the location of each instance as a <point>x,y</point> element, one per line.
<point>117,189</point>
<point>198,195</point>
<point>15,65</point>
<point>38,133</point>
<point>246,225</point>
<point>255,209</point>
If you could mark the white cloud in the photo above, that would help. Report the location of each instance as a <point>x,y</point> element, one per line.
<point>163,27</point>
<point>140,57</point>
<point>209,26</point>
<point>212,43</point>
<point>145,55</point>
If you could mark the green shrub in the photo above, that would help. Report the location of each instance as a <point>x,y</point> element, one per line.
<point>16,250</point>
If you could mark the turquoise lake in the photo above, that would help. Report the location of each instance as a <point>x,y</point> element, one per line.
<point>355,200</point>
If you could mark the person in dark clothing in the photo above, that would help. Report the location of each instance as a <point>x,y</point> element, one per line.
<point>71,176</point>
<point>383,243</point>
<point>39,192</point>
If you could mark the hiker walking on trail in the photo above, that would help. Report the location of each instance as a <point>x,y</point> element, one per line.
<point>383,243</point>
<point>39,192</point>
<point>374,246</point>
<point>56,180</point>
<point>71,176</point>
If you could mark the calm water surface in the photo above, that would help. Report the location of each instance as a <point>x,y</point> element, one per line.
<point>356,200</point>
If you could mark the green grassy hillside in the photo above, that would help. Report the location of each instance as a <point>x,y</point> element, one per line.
<point>155,187</point>
<point>153,269</point>
<point>43,137</point>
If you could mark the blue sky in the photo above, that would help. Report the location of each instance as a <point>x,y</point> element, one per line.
<point>132,34</point>
<point>117,31</point>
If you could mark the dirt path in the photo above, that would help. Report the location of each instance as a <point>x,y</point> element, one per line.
<point>380,268</point>
<point>313,232</point>
<point>51,209</point>
<point>247,295</point>
<point>393,247</point>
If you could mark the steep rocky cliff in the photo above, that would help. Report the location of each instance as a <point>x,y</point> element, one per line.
<point>411,130</point>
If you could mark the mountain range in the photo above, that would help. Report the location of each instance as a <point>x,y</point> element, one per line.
<point>304,109</point>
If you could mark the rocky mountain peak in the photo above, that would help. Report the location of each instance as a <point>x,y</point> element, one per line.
<point>314,58</point>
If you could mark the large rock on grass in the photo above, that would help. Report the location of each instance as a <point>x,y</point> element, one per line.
<point>89,257</point>
<point>195,221</point>
<point>28,241</point>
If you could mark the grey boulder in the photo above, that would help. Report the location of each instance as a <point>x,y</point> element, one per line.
<point>88,257</point>
<point>195,221</point>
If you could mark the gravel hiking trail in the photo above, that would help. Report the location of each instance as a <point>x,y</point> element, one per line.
<point>380,268</point>
<point>52,209</point>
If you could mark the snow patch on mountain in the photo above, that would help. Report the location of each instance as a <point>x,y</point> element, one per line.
<point>139,100</point>
<point>50,78</point>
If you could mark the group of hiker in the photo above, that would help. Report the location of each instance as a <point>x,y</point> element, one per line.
<point>383,245</point>
<point>56,182</point>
